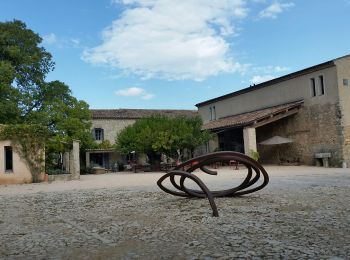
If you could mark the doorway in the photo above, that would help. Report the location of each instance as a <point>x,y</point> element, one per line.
<point>231,140</point>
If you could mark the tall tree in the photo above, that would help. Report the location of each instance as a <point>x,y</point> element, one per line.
<point>26,98</point>
<point>9,96</point>
<point>26,60</point>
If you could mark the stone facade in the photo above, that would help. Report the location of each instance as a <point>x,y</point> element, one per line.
<point>20,172</point>
<point>275,93</point>
<point>111,127</point>
<point>112,122</point>
<point>322,123</point>
<point>343,74</point>
<point>313,130</point>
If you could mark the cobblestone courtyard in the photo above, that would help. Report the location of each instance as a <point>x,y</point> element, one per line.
<point>303,213</point>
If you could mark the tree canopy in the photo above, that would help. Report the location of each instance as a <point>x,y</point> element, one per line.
<point>159,134</point>
<point>26,98</point>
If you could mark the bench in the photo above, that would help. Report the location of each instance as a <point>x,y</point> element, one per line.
<point>322,159</point>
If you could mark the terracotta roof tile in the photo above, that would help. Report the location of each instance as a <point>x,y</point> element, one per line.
<point>249,117</point>
<point>138,113</point>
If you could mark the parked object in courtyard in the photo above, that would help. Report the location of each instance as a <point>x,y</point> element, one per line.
<point>277,141</point>
<point>206,160</point>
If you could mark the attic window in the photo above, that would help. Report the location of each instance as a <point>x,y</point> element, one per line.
<point>321,85</point>
<point>313,87</point>
<point>212,113</point>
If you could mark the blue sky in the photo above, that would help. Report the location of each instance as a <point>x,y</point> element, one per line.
<point>174,54</point>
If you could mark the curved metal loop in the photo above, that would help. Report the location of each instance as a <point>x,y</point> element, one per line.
<point>201,162</point>
<point>196,180</point>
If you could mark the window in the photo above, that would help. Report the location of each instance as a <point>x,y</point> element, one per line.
<point>8,158</point>
<point>313,87</point>
<point>321,85</point>
<point>212,113</point>
<point>99,136</point>
<point>345,82</point>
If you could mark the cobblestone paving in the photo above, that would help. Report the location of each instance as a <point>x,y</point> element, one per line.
<point>277,223</point>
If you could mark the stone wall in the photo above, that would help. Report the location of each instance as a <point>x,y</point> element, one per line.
<point>296,88</point>
<point>71,164</point>
<point>20,173</point>
<point>343,73</point>
<point>60,177</point>
<point>346,145</point>
<point>111,127</point>
<point>314,129</point>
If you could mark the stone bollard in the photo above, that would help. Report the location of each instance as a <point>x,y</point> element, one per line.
<point>75,160</point>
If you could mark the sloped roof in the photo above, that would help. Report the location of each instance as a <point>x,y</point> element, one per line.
<point>139,113</point>
<point>314,68</point>
<point>250,117</point>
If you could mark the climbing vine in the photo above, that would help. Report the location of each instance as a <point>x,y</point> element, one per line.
<point>29,142</point>
<point>255,155</point>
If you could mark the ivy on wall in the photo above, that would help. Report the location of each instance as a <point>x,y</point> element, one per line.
<point>29,142</point>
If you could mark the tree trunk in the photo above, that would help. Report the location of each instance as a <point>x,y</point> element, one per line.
<point>154,160</point>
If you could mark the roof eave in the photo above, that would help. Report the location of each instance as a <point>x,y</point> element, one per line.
<point>321,66</point>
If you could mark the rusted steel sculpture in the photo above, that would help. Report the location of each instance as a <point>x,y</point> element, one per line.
<point>185,170</point>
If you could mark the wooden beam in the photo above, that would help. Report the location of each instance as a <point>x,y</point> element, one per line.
<point>275,118</point>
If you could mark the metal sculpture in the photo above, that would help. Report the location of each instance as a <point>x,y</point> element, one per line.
<point>185,170</point>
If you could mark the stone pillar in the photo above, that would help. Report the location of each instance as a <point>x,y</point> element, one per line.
<point>213,144</point>
<point>75,160</point>
<point>249,135</point>
<point>87,158</point>
<point>65,161</point>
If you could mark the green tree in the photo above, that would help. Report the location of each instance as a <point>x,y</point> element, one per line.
<point>66,117</point>
<point>9,96</point>
<point>25,62</point>
<point>26,98</point>
<point>157,134</point>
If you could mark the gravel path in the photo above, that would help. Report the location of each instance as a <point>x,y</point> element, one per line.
<point>303,215</point>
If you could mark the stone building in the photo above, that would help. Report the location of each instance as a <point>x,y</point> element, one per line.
<point>310,106</point>
<point>107,123</point>
<point>13,168</point>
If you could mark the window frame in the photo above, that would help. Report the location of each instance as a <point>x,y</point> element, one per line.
<point>101,134</point>
<point>322,86</point>
<point>8,163</point>
<point>214,112</point>
<point>313,89</point>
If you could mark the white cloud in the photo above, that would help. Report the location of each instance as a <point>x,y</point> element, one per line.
<point>147,96</point>
<point>261,74</point>
<point>134,92</point>
<point>129,92</point>
<point>50,38</point>
<point>280,69</point>
<point>61,41</point>
<point>274,9</point>
<point>259,79</point>
<point>269,69</point>
<point>75,42</point>
<point>171,39</point>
